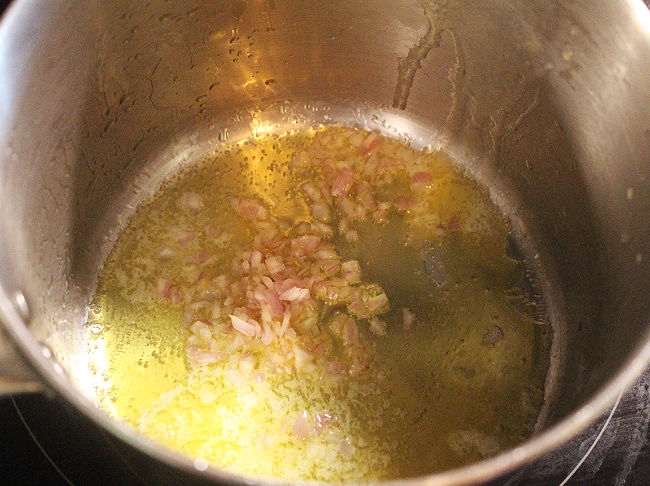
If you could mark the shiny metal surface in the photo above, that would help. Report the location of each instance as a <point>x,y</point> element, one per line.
<point>546,102</point>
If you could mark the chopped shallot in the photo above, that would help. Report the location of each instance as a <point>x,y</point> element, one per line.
<point>421,178</point>
<point>322,420</point>
<point>408,318</point>
<point>274,264</point>
<point>343,183</point>
<point>301,428</point>
<point>291,273</point>
<point>377,326</point>
<point>163,288</point>
<point>258,376</point>
<point>201,357</point>
<point>295,294</point>
<point>166,254</point>
<point>321,212</point>
<point>304,245</point>
<point>249,208</point>
<point>183,237</point>
<point>404,203</point>
<point>190,200</point>
<point>242,326</point>
<point>301,357</point>
<point>351,236</point>
<point>351,271</point>
<point>247,363</point>
<point>346,449</point>
<point>267,335</point>
<point>370,144</point>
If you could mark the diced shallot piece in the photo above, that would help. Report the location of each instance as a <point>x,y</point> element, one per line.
<point>201,329</point>
<point>408,318</point>
<point>258,376</point>
<point>347,207</point>
<point>295,294</point>
<point>421,178</point>
<point>222,282</point>
<point>322,420</point>
<point>301,428</point>
<point>454,223</point>
<point>183,237</point>
<point>201,357</point>
<point>377,326</point>
<point>190,200</point>
<point>377,303</point>
<point>346,449</point>
<point>268,282</point>
<point>281,286</point>
<point>367,301</point>
<point>345,328</point>
<point>274,264</point>
<point>267,334</point>
<point>312,192</point>
<point>366,196</point>
<point>256,258</point>
<point>204,257</point>
<point>304,245</point>
<point>242,326</point>
<point>330,266</point>
<point>351,236</point>
<point>370,144</point>
<point>176,295</point>
<point>249,208</point>
<point>323,230</point>
<point>334,291</point>
<point>321,212</point>
<point>270,298</point>
<point>351,271</point>
<point>168,291</point>
<point>163,288</point>
<point>343,183</point>
<point>380,215</point>
<point>403,202</point>
<point>247,363</point>
<point>166,254</point>
<point>336,367</point>
<point>301,357</point>
<point>326,253</point>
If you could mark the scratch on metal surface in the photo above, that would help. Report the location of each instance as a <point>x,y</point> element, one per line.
<point>408,66</point>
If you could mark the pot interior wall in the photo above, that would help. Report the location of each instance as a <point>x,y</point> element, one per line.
<point>106,97</point>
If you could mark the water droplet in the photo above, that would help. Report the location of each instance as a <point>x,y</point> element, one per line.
<point>21,305</point>
<point>223,135</point>
<point>59,369</point>
<point>47,352</point>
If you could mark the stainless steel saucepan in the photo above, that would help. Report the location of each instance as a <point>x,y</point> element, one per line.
<point>545,101</point>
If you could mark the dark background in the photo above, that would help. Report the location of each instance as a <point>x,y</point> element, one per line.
<point>44,442</point>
